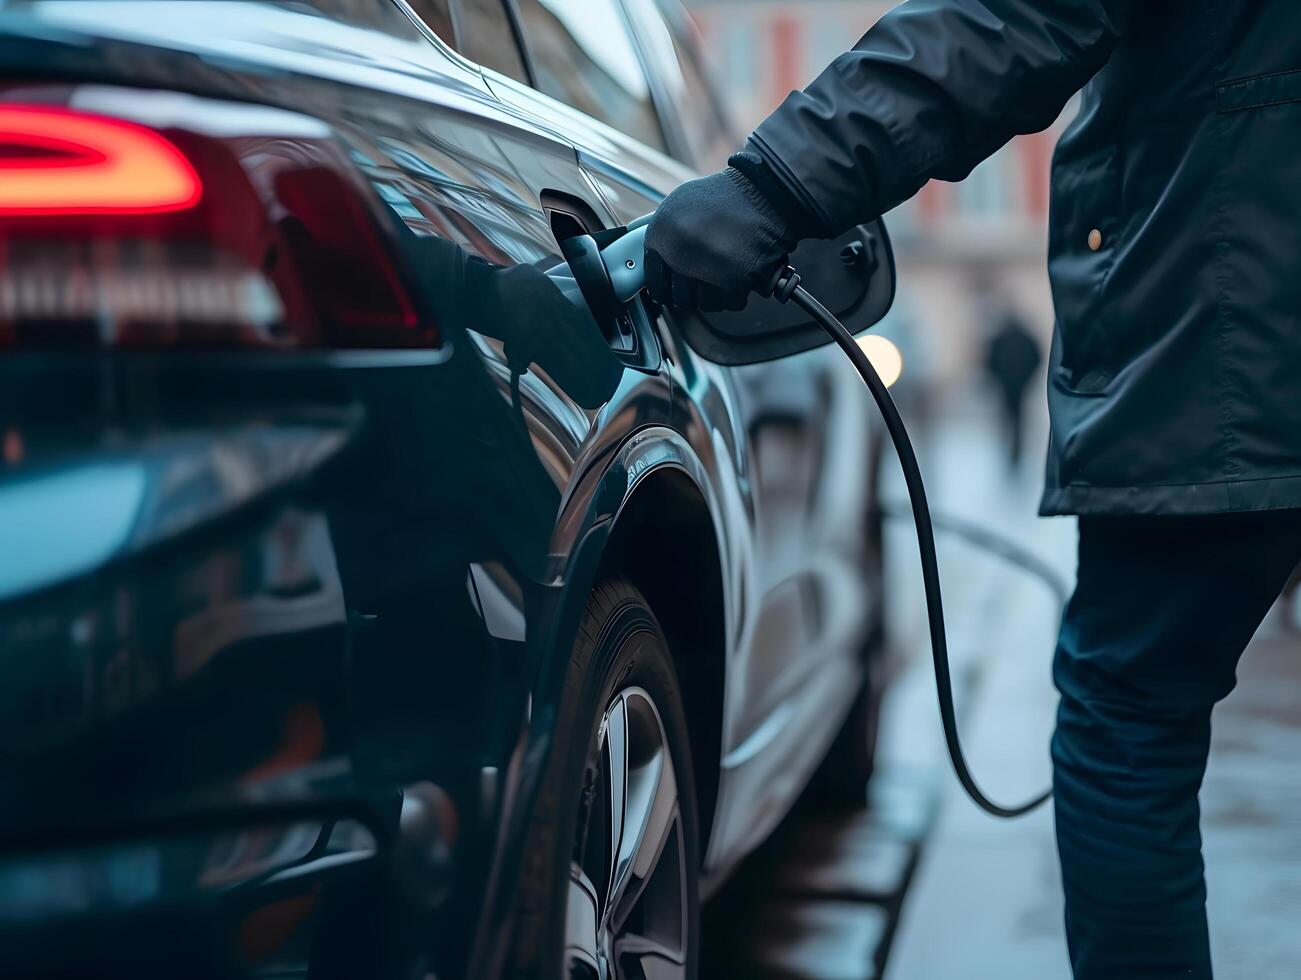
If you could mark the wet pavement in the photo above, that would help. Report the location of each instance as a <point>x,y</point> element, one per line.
<point>1251,806</point>
<point>822,897</point>
<point>923,885</point>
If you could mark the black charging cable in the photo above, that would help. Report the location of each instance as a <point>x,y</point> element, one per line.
<point>786,288</point>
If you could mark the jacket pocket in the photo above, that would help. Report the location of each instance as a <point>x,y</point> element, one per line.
<point>1258,91</point>
<point>1084,234</point>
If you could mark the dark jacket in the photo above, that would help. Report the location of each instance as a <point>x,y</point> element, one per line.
<point>1175,242</point>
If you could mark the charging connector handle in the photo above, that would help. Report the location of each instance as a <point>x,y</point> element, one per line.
<point>625,261</point>
<point>786,287</point>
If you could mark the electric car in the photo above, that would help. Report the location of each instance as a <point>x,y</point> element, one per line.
<point>368,606</point>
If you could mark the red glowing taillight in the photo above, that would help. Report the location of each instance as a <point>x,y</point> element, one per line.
<point>192,230</point>
<point>56,161</point>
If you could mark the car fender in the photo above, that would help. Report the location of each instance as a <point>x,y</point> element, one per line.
<point>587,519</point>
<point>643,454</point>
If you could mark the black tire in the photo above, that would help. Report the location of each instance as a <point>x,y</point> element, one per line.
<point>619,678</point>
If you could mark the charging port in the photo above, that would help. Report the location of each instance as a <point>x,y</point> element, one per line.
<point>579,232</point>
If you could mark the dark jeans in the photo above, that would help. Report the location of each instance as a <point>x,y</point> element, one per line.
<point>1150,642</point>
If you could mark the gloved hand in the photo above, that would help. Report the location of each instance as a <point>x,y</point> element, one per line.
<point>714,241</point>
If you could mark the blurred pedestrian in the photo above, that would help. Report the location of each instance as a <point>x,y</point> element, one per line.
<point>1012,357</point>
<point>1175,370</point>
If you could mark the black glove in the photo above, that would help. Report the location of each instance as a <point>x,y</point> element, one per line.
<point>716,240</point>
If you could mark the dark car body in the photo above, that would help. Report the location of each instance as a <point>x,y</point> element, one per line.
<point>282,614</point>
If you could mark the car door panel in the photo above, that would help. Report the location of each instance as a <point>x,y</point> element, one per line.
<point>792,660</point>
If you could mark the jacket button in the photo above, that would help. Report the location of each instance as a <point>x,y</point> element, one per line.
<point>1095,240</point>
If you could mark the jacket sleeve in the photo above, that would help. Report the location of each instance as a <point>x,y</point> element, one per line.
<point>932,89</point>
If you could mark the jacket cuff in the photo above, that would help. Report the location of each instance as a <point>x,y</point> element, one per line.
<point>754,165</point>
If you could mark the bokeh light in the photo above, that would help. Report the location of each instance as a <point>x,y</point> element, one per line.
<point>884,355</point>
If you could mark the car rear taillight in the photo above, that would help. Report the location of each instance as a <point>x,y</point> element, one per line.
<point>55,161</point>
<point>115,233</point>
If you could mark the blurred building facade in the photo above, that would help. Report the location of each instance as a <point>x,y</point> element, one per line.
<point>958,245</point>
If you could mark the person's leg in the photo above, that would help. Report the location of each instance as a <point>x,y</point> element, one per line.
<point>1016,424</point>
<point>1150,642</point>
<point>1007,416</point>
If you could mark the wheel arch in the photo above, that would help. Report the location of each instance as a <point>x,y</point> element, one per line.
<point>616,526</point>
<point>664,541</point>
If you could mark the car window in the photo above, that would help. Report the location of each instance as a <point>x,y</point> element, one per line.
<point>674,59</point>
<point>484,35</point>
<point>437,16</point>
<point>583,55</point>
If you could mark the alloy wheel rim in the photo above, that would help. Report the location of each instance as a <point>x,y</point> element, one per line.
<point>627,894</point>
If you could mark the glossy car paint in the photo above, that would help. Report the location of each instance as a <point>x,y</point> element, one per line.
<point>281,633</point>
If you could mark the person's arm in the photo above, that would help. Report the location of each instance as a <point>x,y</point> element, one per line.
<point>935,87</point>
<point>932,89</point>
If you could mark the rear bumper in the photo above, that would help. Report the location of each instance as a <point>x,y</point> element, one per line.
<point>243,716</point>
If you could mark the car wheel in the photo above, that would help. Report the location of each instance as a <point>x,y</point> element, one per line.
<point>610,891</point>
